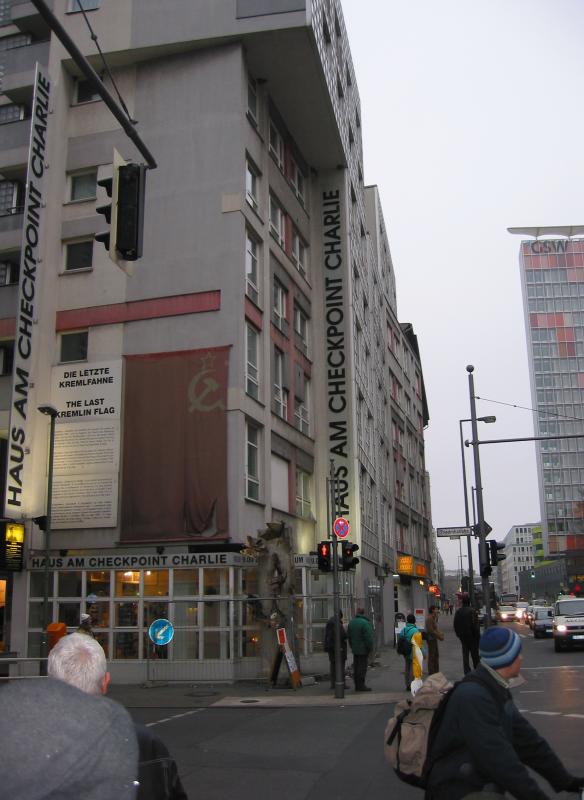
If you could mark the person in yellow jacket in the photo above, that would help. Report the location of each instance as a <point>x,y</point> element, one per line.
<point>415,660</point>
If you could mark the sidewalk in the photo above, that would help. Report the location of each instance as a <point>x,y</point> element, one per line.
<point>386,680</point>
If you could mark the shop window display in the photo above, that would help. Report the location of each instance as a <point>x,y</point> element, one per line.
<point>69,584</point>
<point>156,583</point>
<point>98,583</point>
<point>69,613</point>
<point>127,584</point>
<point>186,582</point>
<point>125,644</point>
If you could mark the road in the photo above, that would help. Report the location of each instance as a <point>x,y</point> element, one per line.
<point>336,753</point>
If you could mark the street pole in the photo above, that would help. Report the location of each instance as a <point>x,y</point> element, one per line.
<point>339,676</point>
<point>483,556</point>
<point>52,413</point>
<point>467,520</point>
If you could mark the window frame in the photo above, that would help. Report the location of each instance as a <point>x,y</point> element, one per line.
<point>95,97</point>
<point>299,252</point>
<point>66,245</point>
<point>252,380</point>
<point>78,6</point>
<point>73,176</point>
<point>252,89</point>
<point>279,305</point>
<point>303,503</point>
<point>279,391</point>
<point>278,227</point>
<point>252,479</point>
<point>11,270</point>
<point>301,329</point>
<point>69,334</point>
<point>276,146</point>
<point>252,259</point>
<point>299,186</point>
<point>252,175</point>
<point>302,410</point>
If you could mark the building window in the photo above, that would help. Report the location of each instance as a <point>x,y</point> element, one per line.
<point>252,473</point>
<point>85,92</point>
<point>11,112</point>
<point>6,357</point>
<point>74,346</point>
<point>302,410</point>
<point>251,361</point>
<point>302,493</point>
<point>299,253</point>
<point>298,181</point>
<point>279,316</point>
<point>252,99</point>
<point>276,146</point>
<point>83,185</point>
<point>79,255</point>
<point>10,195</point>
<point>251,184</point>
<point>280,391</point>
<point>301,328</point>
<point>277,222</point>
<point>83,5</point>
<point>251,267</point>
<point>8,272</point>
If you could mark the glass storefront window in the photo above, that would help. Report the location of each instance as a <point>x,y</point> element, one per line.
<point>34,645</point>
<point>249,644</point>
<point>98,583</point>
<point>154,610</point>
<point>186,582</point>
<point>127,584</point>
<point>185,645</point>
<point>37,585</point>
<point>103,639</point>
<point>215,614</point>
<point>69,584</point>
<point>216,581</point>
<point>249,580</point>
<point>35,615</point>
<point>125,645</point>
<point>126,615</point>
<point>156,583</point>
<point>100,616</point>
<point>216,644</point>
<point>153,651</point>
<point>70,614</point>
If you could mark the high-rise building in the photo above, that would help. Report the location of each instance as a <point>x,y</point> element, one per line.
<point>519,557</point>
<point>202,399</point>
<point>552,279</point>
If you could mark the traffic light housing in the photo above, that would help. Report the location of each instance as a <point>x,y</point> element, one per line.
<point>325,556</point>
<point>130,211</point>
<point>495,553</point>
<point>485,566</point>
<point>348,560</point>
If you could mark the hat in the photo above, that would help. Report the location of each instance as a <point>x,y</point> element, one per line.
<point>48,729</point>
<point>85,617</point>
<point>499,647</point>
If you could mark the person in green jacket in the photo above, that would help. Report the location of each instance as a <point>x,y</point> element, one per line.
<point>360,633</point>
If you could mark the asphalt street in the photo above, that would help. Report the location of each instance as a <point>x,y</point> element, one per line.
<point>248,741</point>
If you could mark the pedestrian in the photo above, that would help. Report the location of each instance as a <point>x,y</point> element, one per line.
<point>85,625</point>
<point>59,742</point>
<point>412,668</point>
<point>467,628</point>
<point>483,744</point>
<point>360,634</point>
<point>80,661</point>
<point>433,635</point>
<point>329,646</point>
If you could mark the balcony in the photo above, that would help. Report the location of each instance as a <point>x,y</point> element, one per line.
<point>28,20</point>
<point>11,229</point>
<point>14,152</point>
<point>19,65</point>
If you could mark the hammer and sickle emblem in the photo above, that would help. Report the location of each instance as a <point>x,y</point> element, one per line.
<point>200,392</point>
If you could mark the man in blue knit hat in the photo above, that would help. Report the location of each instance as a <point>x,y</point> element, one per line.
<point>483,744</point>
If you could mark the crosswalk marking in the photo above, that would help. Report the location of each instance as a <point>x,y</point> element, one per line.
<point>175,716</point>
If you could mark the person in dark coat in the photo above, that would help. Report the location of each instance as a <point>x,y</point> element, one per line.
<point>360,635</point>
<point>467,628</point>
<point>329,646</point>
<point>433,635</point>
<point>483,743</point>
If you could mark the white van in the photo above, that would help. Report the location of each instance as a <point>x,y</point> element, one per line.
<point>568,622</point>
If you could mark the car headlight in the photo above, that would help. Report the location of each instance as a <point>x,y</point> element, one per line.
<point>518,614</point>
<point>503,616</point>
<point>561,628</point>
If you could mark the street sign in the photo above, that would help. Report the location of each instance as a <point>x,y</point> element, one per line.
<point>462,531</point>
<point>161,631</point>
<point>487,529</point>
<point>341,528</point>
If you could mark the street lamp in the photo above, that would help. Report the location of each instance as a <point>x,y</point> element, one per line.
<point>488,420</point>
<point>49,411</point>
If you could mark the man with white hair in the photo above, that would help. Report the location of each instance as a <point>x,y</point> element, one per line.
<point>79,660</point>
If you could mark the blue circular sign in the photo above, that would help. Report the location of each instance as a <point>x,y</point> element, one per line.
<point>161,631</point>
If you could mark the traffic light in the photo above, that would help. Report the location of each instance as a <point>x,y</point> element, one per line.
<point>325,557</point>
<point>348,560</point>
<point>130,211</point>
<point>485,566</point>
<point>495,552</point>
<point>41,522</point>
<point>110,210</point>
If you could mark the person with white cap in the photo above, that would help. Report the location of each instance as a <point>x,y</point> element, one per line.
<point>483,744</point>
<point>85,625</point>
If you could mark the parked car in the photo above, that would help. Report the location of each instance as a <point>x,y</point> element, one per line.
<point>506,614</point>
<point>543,621</point>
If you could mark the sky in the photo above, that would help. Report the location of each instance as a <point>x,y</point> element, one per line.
<point>472,122</point>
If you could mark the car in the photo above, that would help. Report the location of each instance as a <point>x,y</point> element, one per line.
<point>543,621</point>
<point>568,625</point>
<point>506,614</point>
<point>529,615</point>
<point>521,611</point>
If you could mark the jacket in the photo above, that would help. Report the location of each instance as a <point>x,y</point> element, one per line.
<point>432,630</point>
<point>329,638</point>
<point>483,739</point>
<point>466,625</point>
<point>157,771</point>
<point>360,635</point>
<point>414,635</point>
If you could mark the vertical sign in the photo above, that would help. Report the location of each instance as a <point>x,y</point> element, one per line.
<point>337,340</point>
<point>21,429</point>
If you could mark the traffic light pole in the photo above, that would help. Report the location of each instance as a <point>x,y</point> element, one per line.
<point>339,675</point>
<point>483,552</point>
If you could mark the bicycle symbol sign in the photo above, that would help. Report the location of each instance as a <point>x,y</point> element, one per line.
<point>341,527</point>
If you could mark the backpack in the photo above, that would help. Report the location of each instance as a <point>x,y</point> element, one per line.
<point>412,728</point>
<point>404,645</point>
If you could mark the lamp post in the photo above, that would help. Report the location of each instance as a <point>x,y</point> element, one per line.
<point>488,420</point>
<point>51,412</point>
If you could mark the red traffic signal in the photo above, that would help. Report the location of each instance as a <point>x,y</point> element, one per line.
<point>324,556</point>
<point>348,560</point>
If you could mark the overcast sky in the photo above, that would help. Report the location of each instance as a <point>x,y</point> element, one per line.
<point>472,122</point>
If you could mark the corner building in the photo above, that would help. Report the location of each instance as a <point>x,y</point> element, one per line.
<point>201,399</point>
